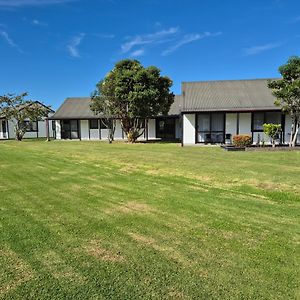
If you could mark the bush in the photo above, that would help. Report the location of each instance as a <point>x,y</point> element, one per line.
<point>242,140</point>
<point>272,131</point>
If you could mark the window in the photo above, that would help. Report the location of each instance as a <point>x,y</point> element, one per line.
<point>69,129</point>
<point>273,117</point>
<point>94,124</point>
<point>105,123</point>
<point>53,125</point>
<point>31,126</point>
<point>210,127</point>
<point>258,121</point>
<point>260,118</point>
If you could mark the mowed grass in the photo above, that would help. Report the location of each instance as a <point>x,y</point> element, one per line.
<point>89,220</point>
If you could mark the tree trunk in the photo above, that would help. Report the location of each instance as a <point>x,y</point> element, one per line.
<point>295,135</point>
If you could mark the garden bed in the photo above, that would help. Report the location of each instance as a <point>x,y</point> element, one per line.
<point>270,148</point>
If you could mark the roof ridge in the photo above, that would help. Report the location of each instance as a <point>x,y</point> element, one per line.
<point>228,80</point>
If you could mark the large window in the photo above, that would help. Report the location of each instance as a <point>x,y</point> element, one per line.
<point>70,129</point>
<point>31,126</point>
<point>260,118</point>
<point>210,127</point>
<point>94,124</point>
<point>165,128</point>
<point>105,123</point>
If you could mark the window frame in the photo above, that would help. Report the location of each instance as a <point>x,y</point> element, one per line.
<point>210,131</point>
<point>92,127</point>
<point>29,126</point>
<point>264,119</point>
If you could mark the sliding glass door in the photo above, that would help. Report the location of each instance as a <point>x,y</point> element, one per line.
<point>165,128</point>
<point>69,129</point>
<point>210,128</point>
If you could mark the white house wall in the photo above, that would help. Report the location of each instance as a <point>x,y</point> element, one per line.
<point>189,123</point>
<point>58,129</point>
<point>245,123</point>
<point>118,131</point>
<point>231,123</point>
<point>84,129</point>
<point>151,129</point>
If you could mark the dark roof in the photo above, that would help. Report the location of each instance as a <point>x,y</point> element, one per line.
<point>79,108</point>
<point>175,108</point>
<point>75,108</point>
<point>226,95</point>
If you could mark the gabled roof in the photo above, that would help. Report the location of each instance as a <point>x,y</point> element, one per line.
<point>79,108</point>
<point>227,95</point>
<point>75,108</point>
<point>50,110</point>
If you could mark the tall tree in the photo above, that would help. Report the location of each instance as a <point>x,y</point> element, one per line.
<point>133,93</point>
<point>18,110</point>
<point>287,92</point>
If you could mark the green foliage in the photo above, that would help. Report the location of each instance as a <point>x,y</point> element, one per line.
<point>272,130</point>
<point>17,109</point>
<point>287,92</point>
<point>242,140</point>
<point>132,93</point>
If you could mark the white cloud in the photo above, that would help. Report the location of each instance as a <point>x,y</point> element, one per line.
<point>186,39</point>
<point>148,39</point>
<point>259,49</point>
<point>72,47</point>
<point>19,3</point>
<point>136,53</point>
<point>103,35</point>
<point>36,22</point>
<point>9,40</point>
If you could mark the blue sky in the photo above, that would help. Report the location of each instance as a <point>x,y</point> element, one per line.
<point>60,48</point>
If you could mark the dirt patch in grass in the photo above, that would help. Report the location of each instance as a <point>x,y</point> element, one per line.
<point>95,249</point>
<point>14,271</point>
<point>130,207</point>
<point>142,239</point>
<point>168,251</point>
<point>59,268</point>
<point>129,169</point>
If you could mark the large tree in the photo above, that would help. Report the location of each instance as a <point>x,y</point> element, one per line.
<point>18,110</point>
<point>132,93</point>
<point>287,92</point>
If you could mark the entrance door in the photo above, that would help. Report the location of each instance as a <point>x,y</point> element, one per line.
<point>69,129</point>
<point>165,128</point>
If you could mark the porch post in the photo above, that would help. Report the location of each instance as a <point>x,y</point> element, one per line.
<point>47,129</point>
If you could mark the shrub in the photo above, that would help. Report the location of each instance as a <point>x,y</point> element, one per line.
<point>242,140</point>
<point>273,131</point>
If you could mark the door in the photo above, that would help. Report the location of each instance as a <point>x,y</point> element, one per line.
<point>211,128</point>
<point>4,129</point>
<point>70,129</point>
<point>165,128</point>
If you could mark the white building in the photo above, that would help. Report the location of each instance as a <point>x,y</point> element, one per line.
<point>215,111</point>
<point>35,129</point>
<point>75,120</point>
<point>207,112</point>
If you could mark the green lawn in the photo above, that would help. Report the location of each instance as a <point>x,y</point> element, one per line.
<point>89,220</point>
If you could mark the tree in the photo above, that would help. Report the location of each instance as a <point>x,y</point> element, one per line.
<point>132,93</point>
<point>272,131</point>
<point>18,110</point>
<point>287,92</point>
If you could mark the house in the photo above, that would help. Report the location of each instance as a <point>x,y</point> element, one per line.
<point>206,112</point>
<point>36,129</point>
<point>215,111</point>
<point>75,120</point>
